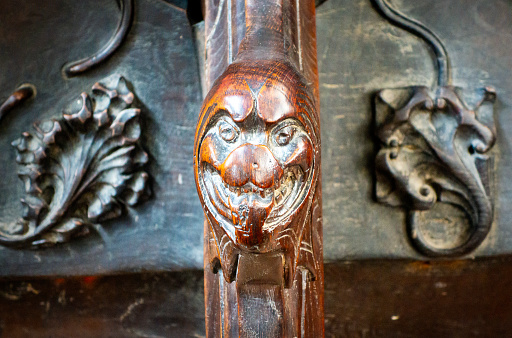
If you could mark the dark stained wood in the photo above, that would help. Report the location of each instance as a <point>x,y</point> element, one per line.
<point>257,166</point>
<point>359,53</point>
<point>23,93</point>
<point>358,56</point>
<point>80,169</point>
<point>363,299</point>
<point>434,157</point>
<point>436,148</point>
<point>158,58</point>
<point>138,305</point>
<point>80,66</point>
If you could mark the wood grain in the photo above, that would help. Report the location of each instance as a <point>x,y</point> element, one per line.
<point>257,166</point>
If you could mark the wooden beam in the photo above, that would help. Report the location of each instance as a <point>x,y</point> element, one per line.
<point>257,167</point>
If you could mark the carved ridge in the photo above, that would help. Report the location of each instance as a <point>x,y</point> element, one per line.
<point>80,66</point>
<point>20,95</point>
<point>424,33</point>
<point>257,170</point>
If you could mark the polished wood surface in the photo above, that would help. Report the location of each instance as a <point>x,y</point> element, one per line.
<point>257,165</point>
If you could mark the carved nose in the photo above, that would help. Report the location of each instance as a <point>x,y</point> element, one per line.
<point>254,163</point>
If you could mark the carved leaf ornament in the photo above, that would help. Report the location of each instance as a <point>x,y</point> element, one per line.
<point>435,150</point>
<point>80,169</point>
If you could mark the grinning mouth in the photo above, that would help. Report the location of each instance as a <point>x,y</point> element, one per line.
<point>234,204</point>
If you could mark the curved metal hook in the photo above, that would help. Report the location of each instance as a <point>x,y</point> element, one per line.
<point>418,29</point>
<point>23,93</point>
<point>77,67</point>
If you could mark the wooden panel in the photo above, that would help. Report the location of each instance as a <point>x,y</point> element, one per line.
<point>363,299</point>
<point>359,53</point>
<point>158,59</point>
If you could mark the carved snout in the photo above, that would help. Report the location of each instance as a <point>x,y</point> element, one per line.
<point>251,163</point>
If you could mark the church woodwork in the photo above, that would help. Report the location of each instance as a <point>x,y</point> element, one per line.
<point>436,148</point>
<point>21,94</point>
<point>257,167</point>
<point>80,169</point>
<point>77,67</point>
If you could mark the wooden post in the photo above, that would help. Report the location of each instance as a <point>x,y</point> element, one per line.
<point>257,167</point>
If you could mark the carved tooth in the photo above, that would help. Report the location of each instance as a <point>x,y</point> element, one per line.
<point>262,193</point>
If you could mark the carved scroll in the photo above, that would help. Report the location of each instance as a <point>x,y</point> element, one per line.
<point>20,95</point>
<point>77,67</point>
<point>434,150</point>
<point>257,165</point>
<point>80,169</point>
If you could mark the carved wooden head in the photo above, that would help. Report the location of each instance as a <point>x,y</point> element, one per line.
<point>257,146</point>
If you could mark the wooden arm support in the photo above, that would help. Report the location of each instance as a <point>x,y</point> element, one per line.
<point>257,167</point>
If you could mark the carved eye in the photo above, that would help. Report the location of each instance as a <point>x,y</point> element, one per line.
<point>284,135</point>
<point>227,131</point>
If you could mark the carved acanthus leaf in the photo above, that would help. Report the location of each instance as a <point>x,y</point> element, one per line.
<point>81,168</point>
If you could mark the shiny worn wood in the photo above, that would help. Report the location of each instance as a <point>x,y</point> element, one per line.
<point>377,298</point>
<point>257,166</point>
<point>20,95</point>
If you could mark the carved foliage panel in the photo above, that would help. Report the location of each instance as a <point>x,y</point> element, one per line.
<point>81,168</point>
<point>435,148</point>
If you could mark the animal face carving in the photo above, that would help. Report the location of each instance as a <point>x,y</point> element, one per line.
<point>256,149</point>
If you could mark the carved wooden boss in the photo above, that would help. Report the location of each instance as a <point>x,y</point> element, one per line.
<point>257,167</point>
